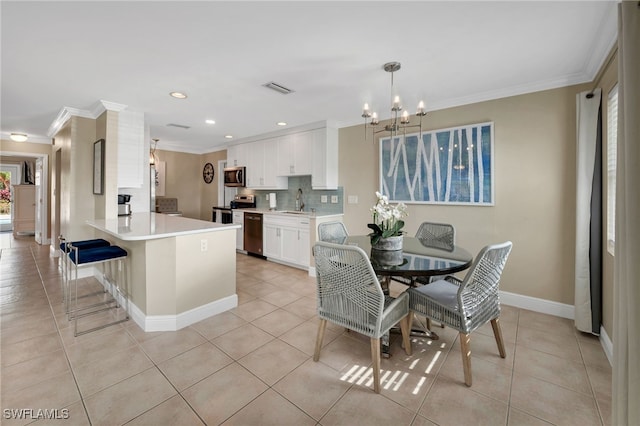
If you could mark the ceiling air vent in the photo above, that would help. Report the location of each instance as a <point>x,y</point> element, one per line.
<point>181,126</point>
<point>277,87</point>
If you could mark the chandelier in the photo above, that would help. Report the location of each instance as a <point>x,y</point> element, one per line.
<point>398,121</point>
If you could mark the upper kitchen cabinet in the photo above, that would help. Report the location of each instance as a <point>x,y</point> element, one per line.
<point>131,155</point>
<point>237,155</point>
<point>324,172</point>
<point>294,154</point>
<point>261,165</point>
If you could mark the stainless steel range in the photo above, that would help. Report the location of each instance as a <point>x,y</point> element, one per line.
<point>243,201</point>
<point>240,201</point>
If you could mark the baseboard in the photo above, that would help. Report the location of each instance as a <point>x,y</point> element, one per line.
<point>175,322</point>
<point>607,344</point>
<point>537,305</point>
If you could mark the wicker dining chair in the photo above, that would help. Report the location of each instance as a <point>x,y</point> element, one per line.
<point>349,295</point>
<point>439,235</point>
<point>467,304</point>
<point>431,234</point>
<point>333,232</point>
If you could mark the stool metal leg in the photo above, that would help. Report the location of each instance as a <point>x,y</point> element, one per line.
<point>119,290</point>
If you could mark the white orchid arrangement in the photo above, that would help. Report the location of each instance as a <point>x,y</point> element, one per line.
<point>387,219</point>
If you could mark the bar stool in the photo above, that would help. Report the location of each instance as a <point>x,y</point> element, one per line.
<point>65,267</point>
<point>105,256</point>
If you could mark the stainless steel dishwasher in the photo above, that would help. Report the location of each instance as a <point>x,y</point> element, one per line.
<point>253,233</point>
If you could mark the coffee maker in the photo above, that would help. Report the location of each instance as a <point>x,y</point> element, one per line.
<point>124,208</point>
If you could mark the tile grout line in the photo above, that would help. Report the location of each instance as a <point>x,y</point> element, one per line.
<point>64,347</point>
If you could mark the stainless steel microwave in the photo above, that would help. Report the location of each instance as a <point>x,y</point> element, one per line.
<point>234,176</point>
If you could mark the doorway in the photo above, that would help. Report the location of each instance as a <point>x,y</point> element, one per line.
<point>9,175</point>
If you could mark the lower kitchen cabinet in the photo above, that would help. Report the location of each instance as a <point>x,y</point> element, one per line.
<point>287,239</point>
<point>238,219</point>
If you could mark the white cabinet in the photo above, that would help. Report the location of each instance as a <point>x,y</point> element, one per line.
<point>271,161</point>
<point>133,164</point>
<point>237,155</point>
<point>271,242</point>
<point>261,166</point>
<point>287,239</point>
<point>238,219</point>
<point>324,174</point>
<point>23,199</point>
<point>295,154</point>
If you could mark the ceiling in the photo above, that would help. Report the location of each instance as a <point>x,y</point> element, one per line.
<point>74,54</point>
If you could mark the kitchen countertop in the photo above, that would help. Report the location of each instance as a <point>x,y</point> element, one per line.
<point>296,214</point>
<point>149,226</point>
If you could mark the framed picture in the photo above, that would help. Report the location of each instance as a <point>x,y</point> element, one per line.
<point>446,166</point>
<point>160,178</point>
<point>98,167</point>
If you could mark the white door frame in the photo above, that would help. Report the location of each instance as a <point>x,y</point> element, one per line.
<point>42,200</point>
<point>42,206</point>
<point>225,194</point>
<point>16,170</point>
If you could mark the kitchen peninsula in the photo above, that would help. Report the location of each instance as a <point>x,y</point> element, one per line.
<point>179,270</point>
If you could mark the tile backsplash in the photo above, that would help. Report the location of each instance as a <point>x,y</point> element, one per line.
<point>312,199</point>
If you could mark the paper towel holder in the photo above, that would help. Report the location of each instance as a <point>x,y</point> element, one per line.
<point>272,201</point>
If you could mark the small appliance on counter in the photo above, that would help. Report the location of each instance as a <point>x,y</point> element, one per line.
<point>124,208</point>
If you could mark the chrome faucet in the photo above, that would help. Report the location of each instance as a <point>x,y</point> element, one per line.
<point>299,202</point>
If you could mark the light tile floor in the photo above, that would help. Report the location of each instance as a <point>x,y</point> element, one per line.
<point>252,365</point>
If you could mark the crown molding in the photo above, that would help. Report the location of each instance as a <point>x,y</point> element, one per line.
<point>605,43</point>
<point>96,110</point>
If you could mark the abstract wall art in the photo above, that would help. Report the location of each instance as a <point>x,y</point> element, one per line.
<point>445,166</point>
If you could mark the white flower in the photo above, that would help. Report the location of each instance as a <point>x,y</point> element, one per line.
<point>385,215</point>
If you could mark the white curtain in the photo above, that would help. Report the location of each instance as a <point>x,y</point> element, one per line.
<point>588,107</point>
<point>626,306</point>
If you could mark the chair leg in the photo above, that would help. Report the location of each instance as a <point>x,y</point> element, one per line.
<point>429,324</point>
<point>375,357</point>
<point>497,332</point>
<point>405,328</point>
<point>321,327</point>
<point>465,347</point>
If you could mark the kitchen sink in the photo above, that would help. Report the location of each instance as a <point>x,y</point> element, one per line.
<point>293,212</point>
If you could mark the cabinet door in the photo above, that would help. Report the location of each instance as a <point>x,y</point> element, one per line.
<point>290,245</point>
<point>325,159</point>
<point>304,248</point>
<point>294,154</point>
<point>236,155</point>
<point>238,219</point>
<point>271,177</point>
<point>232,155</point>
<point>284,164</point>
<point>255,165</point>
<point>303,146</point>
<point>271,241</point>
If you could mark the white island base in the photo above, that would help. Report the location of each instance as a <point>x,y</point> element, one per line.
<point>179,270</point>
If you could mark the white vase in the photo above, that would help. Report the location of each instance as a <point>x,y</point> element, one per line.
<point>389,243</point>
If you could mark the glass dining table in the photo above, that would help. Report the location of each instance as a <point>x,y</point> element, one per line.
<point>418,258</point>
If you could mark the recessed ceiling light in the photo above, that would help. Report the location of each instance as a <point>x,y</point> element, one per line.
<point>178,95</point>
<point>210,121</point>
<point>18,137</point>
<point>228,136</point>
<point>281,123</point>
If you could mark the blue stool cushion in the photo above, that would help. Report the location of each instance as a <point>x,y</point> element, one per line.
<point>99,254</point>
<point>86,244</point>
